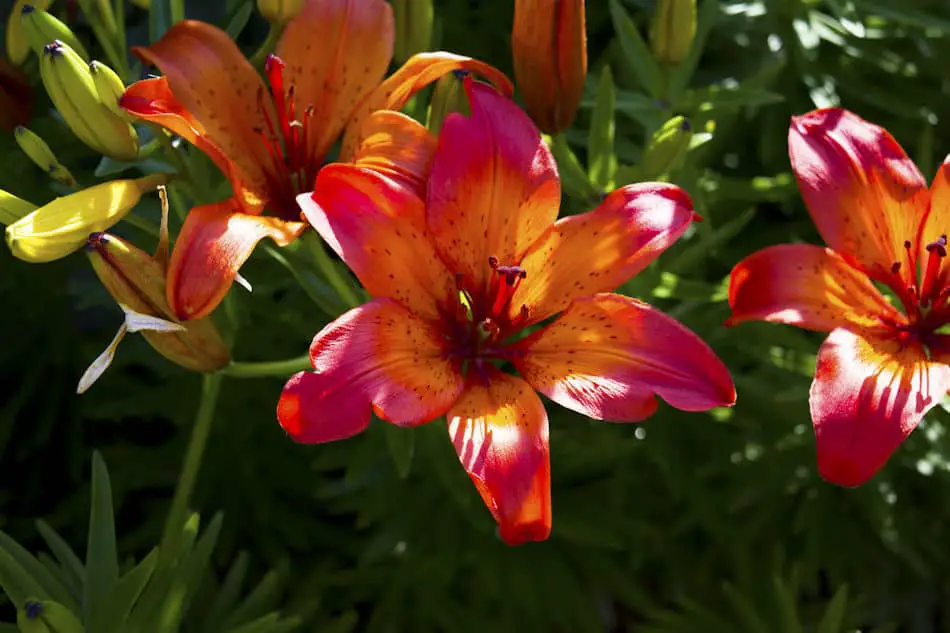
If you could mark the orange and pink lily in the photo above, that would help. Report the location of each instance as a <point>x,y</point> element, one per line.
<point>324,81</point>
<point>884,364</point>
<point>472,275</point>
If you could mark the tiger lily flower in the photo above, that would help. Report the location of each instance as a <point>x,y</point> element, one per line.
<point>883,365</point>
<point>270,140</point>
<point>460,279</point>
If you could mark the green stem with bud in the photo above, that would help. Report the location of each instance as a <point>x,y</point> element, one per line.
<point>278,368</point>
<point>267,46</point>
<point>210,388</point>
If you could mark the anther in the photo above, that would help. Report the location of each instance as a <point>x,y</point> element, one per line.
<point>895,268</point>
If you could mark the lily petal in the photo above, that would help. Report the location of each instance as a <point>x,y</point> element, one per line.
<point>864,194</point>
<point>598,251</point>
<point>607,356</point>
<point>869,393</point>
<point>808,286</point>
<point>378,357</point>
<point>214,242</point>
<point>493,189</point>
<point>213,81</point>
<point>337,52</point>
<point>418,72</point>
<point>398,147</point>
<point>377,227</point>
<point>938,220</point>
<point>500,431</point>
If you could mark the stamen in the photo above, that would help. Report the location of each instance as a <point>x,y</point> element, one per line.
<point>937,251</point>
<point>499,293</point>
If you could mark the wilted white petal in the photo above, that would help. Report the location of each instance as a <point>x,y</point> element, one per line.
<point>137,322</point>
<point>101,363</point>
<point>244,283</point>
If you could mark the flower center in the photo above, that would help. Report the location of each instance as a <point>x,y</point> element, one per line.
<point>286,140</point>
<point>482,320</point>
<point>925,296</point>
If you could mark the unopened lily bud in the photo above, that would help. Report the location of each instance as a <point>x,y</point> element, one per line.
<point>667,149</point>
<point>18,49</point>
<point>448,96</point>
<point>673,30</point>
<point>73,91</point>
<point>41,27</point>
<point>13,208</point>
<point>414,21</point>
<point>549,46</point>
<point>136,280</point>
<point>39,152</point>
<point>61,227</point>
<point>279,12</point>
<point>109,86</point>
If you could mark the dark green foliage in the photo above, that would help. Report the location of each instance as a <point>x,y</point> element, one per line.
<point>686,523</point>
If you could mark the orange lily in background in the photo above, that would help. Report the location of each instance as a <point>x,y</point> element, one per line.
<point>881,368</point>
<point>549,48</point>
<point>461,278</point>
<point>326,76</point>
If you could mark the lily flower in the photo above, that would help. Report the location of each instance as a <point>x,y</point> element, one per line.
<point>883,365</point>
<point>270,140</point>
<point>462,278</point>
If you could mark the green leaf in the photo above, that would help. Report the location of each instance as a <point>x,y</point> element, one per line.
<point>402,445</point>
<point>65,554</point>
<point>258,601</point>
<point>694,253</point>
<point>270,623</point>
<point>129,589</point>
<point>53,587</point>
<point>16,582</point>
<point>191,569</point>
<point>159,18</point>
<point>229,592</point>
<point>601,160</point>
<point>574,179</point>
<point>706,18</point>
<point>639,59</point>
<point>102,563</point>
<point>239,20</point>
<point>716,98</point>
<point>833,619</point>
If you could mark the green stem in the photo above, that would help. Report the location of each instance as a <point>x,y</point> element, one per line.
<point>142,224</point>
<point>280,368</point>
<point>331,272</point>
<point>267,46</point>
<point>210,388</point>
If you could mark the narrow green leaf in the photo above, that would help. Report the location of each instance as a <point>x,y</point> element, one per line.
<point>102,563</point>
<point>239,20</point>
<point>270,623</point>
<point>694,253</point>
<point>745,610</point>
<point>833,619</point>
<point>259,601</point>
<point>53,587</point>
<point>16,582</point>
<point>229,592</point>
<point>574,179</point>
<point>601,159</point>
<point>706,18</point>
<point>63,552</point>
<point>639,59</point>
<point>129,589</point>
<point>159,19</point>
<point>402,446</point>
<point>190,571</point>
<point>6,627</point>
<point>787,617</point>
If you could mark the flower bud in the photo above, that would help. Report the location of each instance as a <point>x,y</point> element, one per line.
<point>136,280</point>
<point>61,227</point>
<point>109,87</point>
<point>667,148</point>
<point>73,91</point>
<point>414,21</point>
<point>549,45</point>
<point>13,208</point>
<point>41,27</point>
<point>279,12</point>
<point>448,96</point>
<point>673,30</point>
<point>17,47</point>
<point>39,152</point>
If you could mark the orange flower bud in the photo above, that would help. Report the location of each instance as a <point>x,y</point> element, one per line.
<point>549,44</point>
<point>136,280</point>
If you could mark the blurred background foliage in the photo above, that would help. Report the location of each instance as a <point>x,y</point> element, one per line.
<point>686,523</point>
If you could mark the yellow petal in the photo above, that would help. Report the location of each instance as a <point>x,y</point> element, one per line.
<point>13,208</point>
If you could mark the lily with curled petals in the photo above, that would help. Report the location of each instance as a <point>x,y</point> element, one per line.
<point>463,275</point>
<point>270,140</point>
<point>883,365</point>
